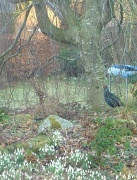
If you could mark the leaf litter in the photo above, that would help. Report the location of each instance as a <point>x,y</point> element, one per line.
<point>77,137</point>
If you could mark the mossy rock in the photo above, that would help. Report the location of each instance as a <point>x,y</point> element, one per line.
<point>22,117</point>
<point>54,122</point>
<point>10,148</point>
<point>18,145</point>
<point>34,144</point>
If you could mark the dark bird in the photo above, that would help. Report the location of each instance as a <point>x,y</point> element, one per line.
<point>111,99</point>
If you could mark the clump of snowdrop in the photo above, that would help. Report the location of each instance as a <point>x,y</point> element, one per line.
<point>14,166</point>
<point>77,156</point>
<point>80,158</point>
<point>57,168</point>
<point>76,165</point>
<point>75,173</point>
<point>79,173</point>
<point>57,138</point>
<point>8,160</point>
<point>51,149</point>
<point>72,168</point>
<point>14,174</point>
<point>47,150</point>
<point>123,176</point>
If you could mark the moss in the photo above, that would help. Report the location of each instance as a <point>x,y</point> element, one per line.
<point>22,117</point>
<point>10,148</point>
<point>4,117</point>
<point>33,145</point>
<point>38,142</point>
<point>54,123</point>
<point>23,145</point>
<point>2,150</point>
<point>4,121</point>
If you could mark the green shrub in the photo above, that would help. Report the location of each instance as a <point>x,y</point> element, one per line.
<point>3,115</point>
<point>110,131</point>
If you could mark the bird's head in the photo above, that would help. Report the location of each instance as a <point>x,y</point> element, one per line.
<point>104,86</point>
<point>106,89</point>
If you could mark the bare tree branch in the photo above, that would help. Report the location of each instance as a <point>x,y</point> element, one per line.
<point>121,13</point>
<point>19,49</point>
<point>68,13</point>
<point>2,61</point>
<point>54,6</point>
<point>47,27</point>
<point>108,45</point>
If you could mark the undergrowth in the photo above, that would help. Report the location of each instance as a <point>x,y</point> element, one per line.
<point>110,131</point>
<point>48,163</point>
<point>18,165</point>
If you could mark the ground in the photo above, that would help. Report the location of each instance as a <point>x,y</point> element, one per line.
<point>21,132</point>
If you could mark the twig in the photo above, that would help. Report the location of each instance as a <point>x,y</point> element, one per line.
<point>2,62</point>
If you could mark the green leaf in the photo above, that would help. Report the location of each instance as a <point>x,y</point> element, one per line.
<point>127,144</point>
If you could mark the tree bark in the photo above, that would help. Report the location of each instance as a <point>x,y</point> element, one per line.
<point>83,33</point>
<point>68,35</point>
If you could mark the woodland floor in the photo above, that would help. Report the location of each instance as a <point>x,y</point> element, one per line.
<point>17,133</point>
